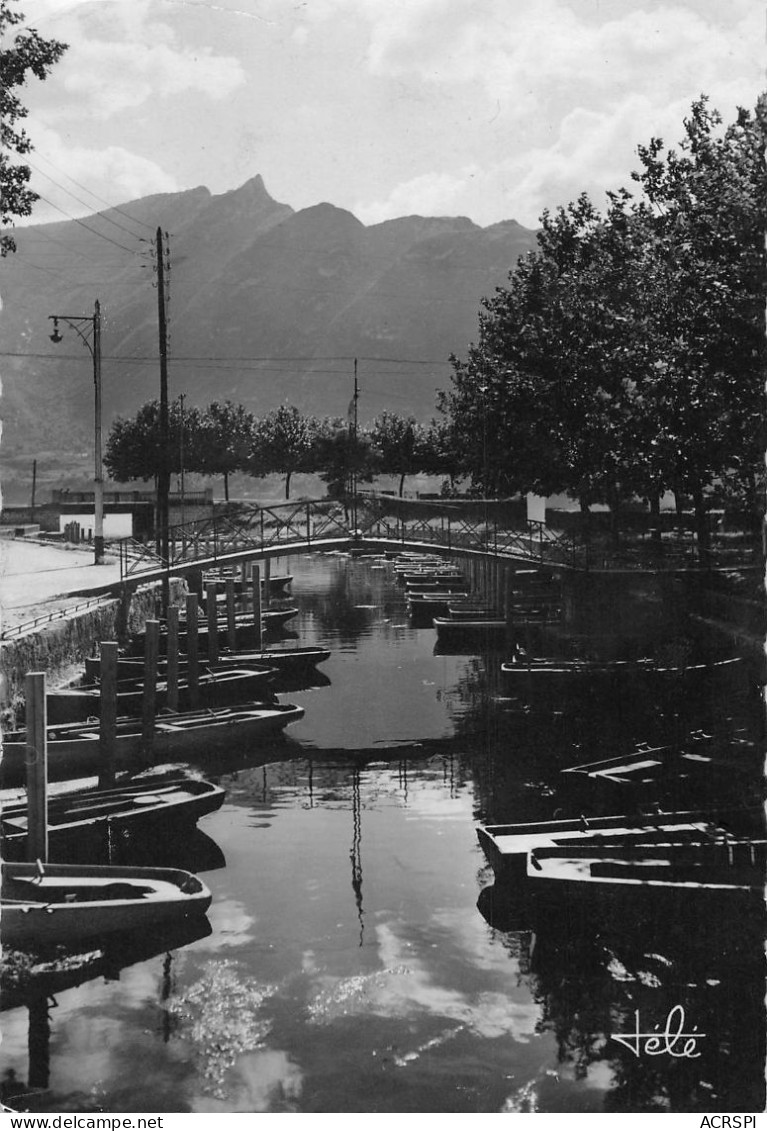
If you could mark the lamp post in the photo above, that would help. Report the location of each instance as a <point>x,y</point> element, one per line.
<point>83,324</point>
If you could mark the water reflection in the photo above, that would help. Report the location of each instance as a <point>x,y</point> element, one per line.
<point>223,1015</point>
<point>34,981</point>
<point>347,967</point>
<point>592,975</point>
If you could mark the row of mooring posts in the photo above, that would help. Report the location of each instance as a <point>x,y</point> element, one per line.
<point>496,581</point>
<point>35,693</point>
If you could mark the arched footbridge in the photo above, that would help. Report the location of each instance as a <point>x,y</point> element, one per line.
<point>241,532</point>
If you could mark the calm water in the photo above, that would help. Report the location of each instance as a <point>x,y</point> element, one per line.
<point>359,957</point>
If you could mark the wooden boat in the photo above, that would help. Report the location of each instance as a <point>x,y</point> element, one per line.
<point>271,618</point>
<point>471,611</point>
<point>548,672</point>
<point>215,689</point>
<point>651,765</point>
<point>679,866</point>
<point>506,847</point>
<point>449,628</point>
<point>433,580</point>
<point>245,632</point>
<point>64,903</point>
<point>427,605</point>
<point>283,661</point>
<point>74,748</point>
<point>78,820</point>
<point>277,583</point>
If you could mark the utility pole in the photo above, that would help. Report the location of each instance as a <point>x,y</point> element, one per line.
<point>354,452</point>
<point>77,322</point>
<point>34,487</point>
<point>163,473</point>
<point>182,398</point>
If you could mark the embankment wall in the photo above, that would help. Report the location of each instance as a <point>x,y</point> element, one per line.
<point>54,648</point>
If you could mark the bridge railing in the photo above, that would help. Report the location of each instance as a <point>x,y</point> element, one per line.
<point>239,526</point>
<point>454,530</point>
<point>245,526</point>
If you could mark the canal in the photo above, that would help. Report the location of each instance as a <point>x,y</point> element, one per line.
<point>359,957</point>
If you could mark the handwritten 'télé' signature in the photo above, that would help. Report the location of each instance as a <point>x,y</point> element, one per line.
<point>667,1041</point>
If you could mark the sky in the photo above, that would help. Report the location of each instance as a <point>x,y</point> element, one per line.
<point>491,109</point>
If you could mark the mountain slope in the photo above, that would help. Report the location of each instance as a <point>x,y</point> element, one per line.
<point>267,305</point>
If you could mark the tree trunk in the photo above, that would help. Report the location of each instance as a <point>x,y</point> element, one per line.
<point>287,485</point>
<point>655,527</point>
<point>226,486</point>
<point>614,504</point>
<point>702,531</point>
<point>402,483</point>
<point>585,518</point>
<point>679,508</point>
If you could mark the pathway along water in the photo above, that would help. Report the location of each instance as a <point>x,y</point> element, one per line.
<point>359,956</point>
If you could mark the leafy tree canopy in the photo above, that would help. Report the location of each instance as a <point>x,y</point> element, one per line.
<point>283,442</point>
<point>29,55</point>
<point>625,356</point>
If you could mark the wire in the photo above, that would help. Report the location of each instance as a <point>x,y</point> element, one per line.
<point>74,219</point>
<point>20,261</point>
<point>238,360</point>
<point>95,195</point>
<point>101,216</point>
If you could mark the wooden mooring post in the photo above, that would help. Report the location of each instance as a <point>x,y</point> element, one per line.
<point>107,712</point>
<point>192,650</point>
<point>212,610</point>
<point>231,617</point>
<point>258,623</point>
<point>508,608</point>
<point>37,767</point>
<point>151,651</point>
<point>172,668</point>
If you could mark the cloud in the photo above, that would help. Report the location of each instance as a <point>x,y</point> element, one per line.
<point>548,47</point>
<point>120,58</point>
<point>432,194</point>
<point>113,174</point>
<point>551,103</point>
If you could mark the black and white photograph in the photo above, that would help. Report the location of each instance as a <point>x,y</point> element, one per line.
<point>382,559</point>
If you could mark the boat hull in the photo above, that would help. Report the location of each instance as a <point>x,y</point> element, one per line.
<point>74,748</point>
<point>91,819</point>
<point>506,847</point>
<point>291,661</point>
<point>69,902</point>
<point>215,689</point>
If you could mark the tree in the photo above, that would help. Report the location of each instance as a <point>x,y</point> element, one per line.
<point>225,441</point>
<point>398,440</point>
<point>282,442</point>
<point>343,456</point>
<point>28,55</point>
<point>133,445</point>
<point>624,358</point>
<point>707,299</point>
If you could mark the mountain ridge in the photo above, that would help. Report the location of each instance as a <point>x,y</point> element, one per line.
<point>268,304</point>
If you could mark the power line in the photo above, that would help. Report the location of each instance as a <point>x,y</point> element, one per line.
<point>101,216</point>
<point>74,219</point>
<point>234,369</point>
<point>95,195</point>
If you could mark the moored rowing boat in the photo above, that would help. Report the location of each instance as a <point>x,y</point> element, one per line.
<point>74,748</point>
<point>64,903</point>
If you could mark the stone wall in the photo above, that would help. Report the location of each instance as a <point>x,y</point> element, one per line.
<point>57,647</point>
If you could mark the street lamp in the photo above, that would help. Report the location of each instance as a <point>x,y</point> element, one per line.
<point>82,324</point>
